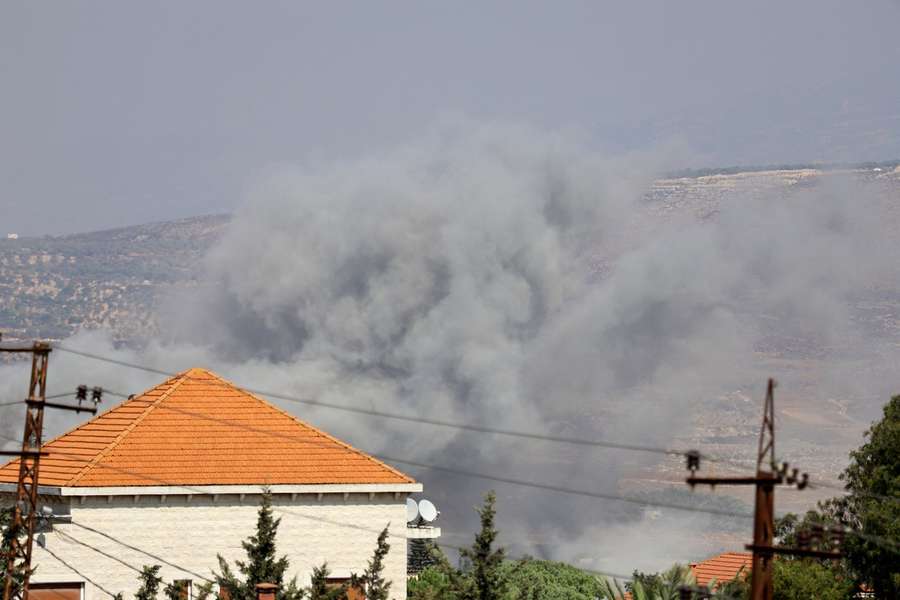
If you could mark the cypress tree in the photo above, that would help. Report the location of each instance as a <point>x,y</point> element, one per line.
<point>150,580</point>
<point>262,565</point>
<point>486,577</point>
<point>372,581</point>
<point>318,587</point>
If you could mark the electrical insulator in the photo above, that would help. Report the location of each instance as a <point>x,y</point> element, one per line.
<point>817,533</point>
<point>837,535</point>
<point>97,395</point>
<point>804,481</point>
<point>81,393</point>
<point>693,460</point>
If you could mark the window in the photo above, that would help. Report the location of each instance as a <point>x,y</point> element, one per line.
<point>55,591</point>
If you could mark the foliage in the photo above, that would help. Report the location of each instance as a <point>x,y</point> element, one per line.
<point>668,584</point>
<point>177,590</point>
<point>531,579</point>
<point>6,518</point>
<point>204,591</point>
<point>150,581</point>
<point>318,588</point>
<point>790,527</point>
<point>874,471</point>
<point>432,583</point>
<point>372,580</point>
<point>261,565</point>
<point>486,577</point>
<point>805,578</point>
<point>661,586</point>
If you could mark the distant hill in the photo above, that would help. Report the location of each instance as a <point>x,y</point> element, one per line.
<point>50,286</point>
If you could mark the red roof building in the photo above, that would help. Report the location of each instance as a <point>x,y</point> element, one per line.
<point>177,472</point>
<point>722,568</point>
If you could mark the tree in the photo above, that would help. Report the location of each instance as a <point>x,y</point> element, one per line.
<point>261,565</point>
<point>432,583</point>
<point>372,580</point>
<point>487,581</point>
<point>177,590</point>
<point>204,591</point>
<point>8,533</point>
<point>319,589</point>
<point>874,473</point>
<point>529,579</point>
<point>667,583</point>
<point>150,581</point>
<point>799,579</point>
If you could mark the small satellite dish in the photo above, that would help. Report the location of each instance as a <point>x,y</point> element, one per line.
<point>412,510</point>
<point>427,511</point>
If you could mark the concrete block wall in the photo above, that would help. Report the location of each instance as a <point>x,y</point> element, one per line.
<point>190,532</point>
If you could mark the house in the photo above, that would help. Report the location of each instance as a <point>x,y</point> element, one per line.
<point>173,477</point>
<point>722,568</point>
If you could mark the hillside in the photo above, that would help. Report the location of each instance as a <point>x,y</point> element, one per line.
<point>51,286</point>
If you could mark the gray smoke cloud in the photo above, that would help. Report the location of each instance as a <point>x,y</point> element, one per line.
<point>509,277</point>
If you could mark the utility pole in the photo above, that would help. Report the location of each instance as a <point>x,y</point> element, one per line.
<point>768,475</point>
<point>25,509</point>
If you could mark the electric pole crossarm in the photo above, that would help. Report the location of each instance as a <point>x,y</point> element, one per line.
<point>769,550</point>
<point>77,409</point>
<point>714,481</point>
<point>21,453</point>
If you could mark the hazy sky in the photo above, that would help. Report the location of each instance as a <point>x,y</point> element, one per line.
<point>114,113</point>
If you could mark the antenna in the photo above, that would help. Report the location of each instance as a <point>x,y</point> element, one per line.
<point>412,510</point>
<point>427,511</point>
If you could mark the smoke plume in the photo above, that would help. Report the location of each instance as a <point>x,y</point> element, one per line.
<point>509,277</point>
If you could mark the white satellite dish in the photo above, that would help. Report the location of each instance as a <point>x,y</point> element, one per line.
<point>412,510</point>
<point>427,511</point>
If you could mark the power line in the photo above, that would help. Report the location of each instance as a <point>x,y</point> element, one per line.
<point>596,495</point>
<point>509,480</point>
<point>136,549</point>
<point>97,550</point>
<point>287,512</point>
<point>407,418</point>
<point>535,485</point>
<point>79,573</point>
<point>194,490</point>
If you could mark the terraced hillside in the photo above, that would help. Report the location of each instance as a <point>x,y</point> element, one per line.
<point>51,286</point>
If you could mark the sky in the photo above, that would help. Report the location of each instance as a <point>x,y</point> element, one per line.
<point>116,113</point>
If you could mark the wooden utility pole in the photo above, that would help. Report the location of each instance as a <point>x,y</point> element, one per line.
<point>768,475</point>
<point>25,509</point>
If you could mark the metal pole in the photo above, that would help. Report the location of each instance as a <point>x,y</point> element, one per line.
<point>764,510</point>
<point>762,587</point>
<point>25,509</point>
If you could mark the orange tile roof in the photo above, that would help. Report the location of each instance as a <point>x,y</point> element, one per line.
<point>198,429</point>
<point>722,568</point>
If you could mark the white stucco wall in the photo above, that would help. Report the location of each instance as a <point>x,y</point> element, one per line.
<point>190,534</point>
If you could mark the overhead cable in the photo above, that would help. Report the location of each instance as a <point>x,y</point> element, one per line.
<point>401,417</point>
